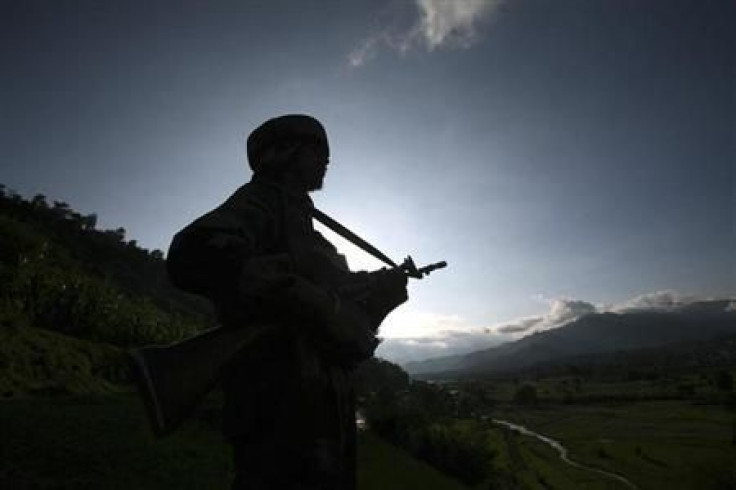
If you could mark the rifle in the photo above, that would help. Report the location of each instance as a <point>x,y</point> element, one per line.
<point>172,379</point>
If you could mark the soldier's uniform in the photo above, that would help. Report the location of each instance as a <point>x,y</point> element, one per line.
<point>289,407</point>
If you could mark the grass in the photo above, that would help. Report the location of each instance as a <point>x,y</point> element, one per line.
<point>39,361</point>
<point>667,444</point>
<point>526,463</point>
<point>66,422</point>
<point>385,467</point>
<point>101,442</point>
<point>561,389</point>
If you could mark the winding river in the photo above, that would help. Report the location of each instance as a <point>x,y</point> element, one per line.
<point>561,450</point>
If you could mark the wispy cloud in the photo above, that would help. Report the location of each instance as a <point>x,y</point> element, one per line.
<point>657,300</point>
<point>561,311</point>
<point>436,24</point>
<point>444,343</point>
<point>412,335</point>
<point>453,23</point>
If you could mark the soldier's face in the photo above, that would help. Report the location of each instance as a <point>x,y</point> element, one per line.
<point>311,165</point>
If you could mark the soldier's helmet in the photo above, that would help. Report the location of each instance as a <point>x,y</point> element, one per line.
<point>283,129</point>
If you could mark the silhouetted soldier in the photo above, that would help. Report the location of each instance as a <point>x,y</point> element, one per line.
<point>289,405</point>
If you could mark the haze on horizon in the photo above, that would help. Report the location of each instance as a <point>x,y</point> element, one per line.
<point>562,157</point>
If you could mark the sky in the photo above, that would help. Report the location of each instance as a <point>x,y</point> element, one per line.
<point>563,157</point>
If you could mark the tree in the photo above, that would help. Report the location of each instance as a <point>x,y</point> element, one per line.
<point>39,201</point>
<point>724,380</point>
<point>526,395</point>
<point>89,222</point>
<point>376,374</point>
<point>62,208</point>
<point>474,400</point>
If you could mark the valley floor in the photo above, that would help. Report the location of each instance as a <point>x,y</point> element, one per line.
<point>101,442</point>
<point>656,445</point>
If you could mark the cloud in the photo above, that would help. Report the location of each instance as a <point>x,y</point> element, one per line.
<point>412,335</point>
<point>561,311</point>
<point>657,300</point>
<point>445,343</point>
<point>436,24</point>
<point>521,325</point>
<point>453,23</point>
<point>566,310</point>
<point>365,52</point>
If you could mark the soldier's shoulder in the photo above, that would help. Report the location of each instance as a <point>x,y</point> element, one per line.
<point>254,194</point>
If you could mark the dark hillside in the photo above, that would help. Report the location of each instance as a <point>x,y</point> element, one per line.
<point>32,230</point>
<point>62,274</point>
<point>74,298</point>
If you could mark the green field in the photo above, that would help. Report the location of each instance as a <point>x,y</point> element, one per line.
<point>526,463</point>
<point>101,442</point>
<point>666,444</point>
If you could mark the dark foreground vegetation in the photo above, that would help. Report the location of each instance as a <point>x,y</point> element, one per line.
<point>74,298</point>
<point>99,442</point>
<point>62,274</point>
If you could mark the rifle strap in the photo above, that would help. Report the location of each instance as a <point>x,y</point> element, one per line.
<point>351,237</point>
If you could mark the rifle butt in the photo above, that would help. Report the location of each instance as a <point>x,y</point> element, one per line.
<point>173,379</point>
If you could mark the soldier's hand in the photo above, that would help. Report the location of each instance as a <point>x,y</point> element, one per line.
<point>391,283</point>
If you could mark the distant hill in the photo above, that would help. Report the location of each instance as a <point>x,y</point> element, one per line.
<point>592,334</point>
<point>648,362</point>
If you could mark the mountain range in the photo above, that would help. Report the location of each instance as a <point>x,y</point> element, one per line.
<point>591,334</point>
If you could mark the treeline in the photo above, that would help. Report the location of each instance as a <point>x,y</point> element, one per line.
<point>428,421</point>
<point>61,273</point>
<point>442,426</point>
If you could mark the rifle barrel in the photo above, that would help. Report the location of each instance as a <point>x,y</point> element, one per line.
<point>432,267</point>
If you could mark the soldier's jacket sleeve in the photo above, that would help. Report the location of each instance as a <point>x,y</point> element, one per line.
<point>207,257</point>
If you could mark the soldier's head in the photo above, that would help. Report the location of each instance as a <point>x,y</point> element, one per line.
<point>292,149</point>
